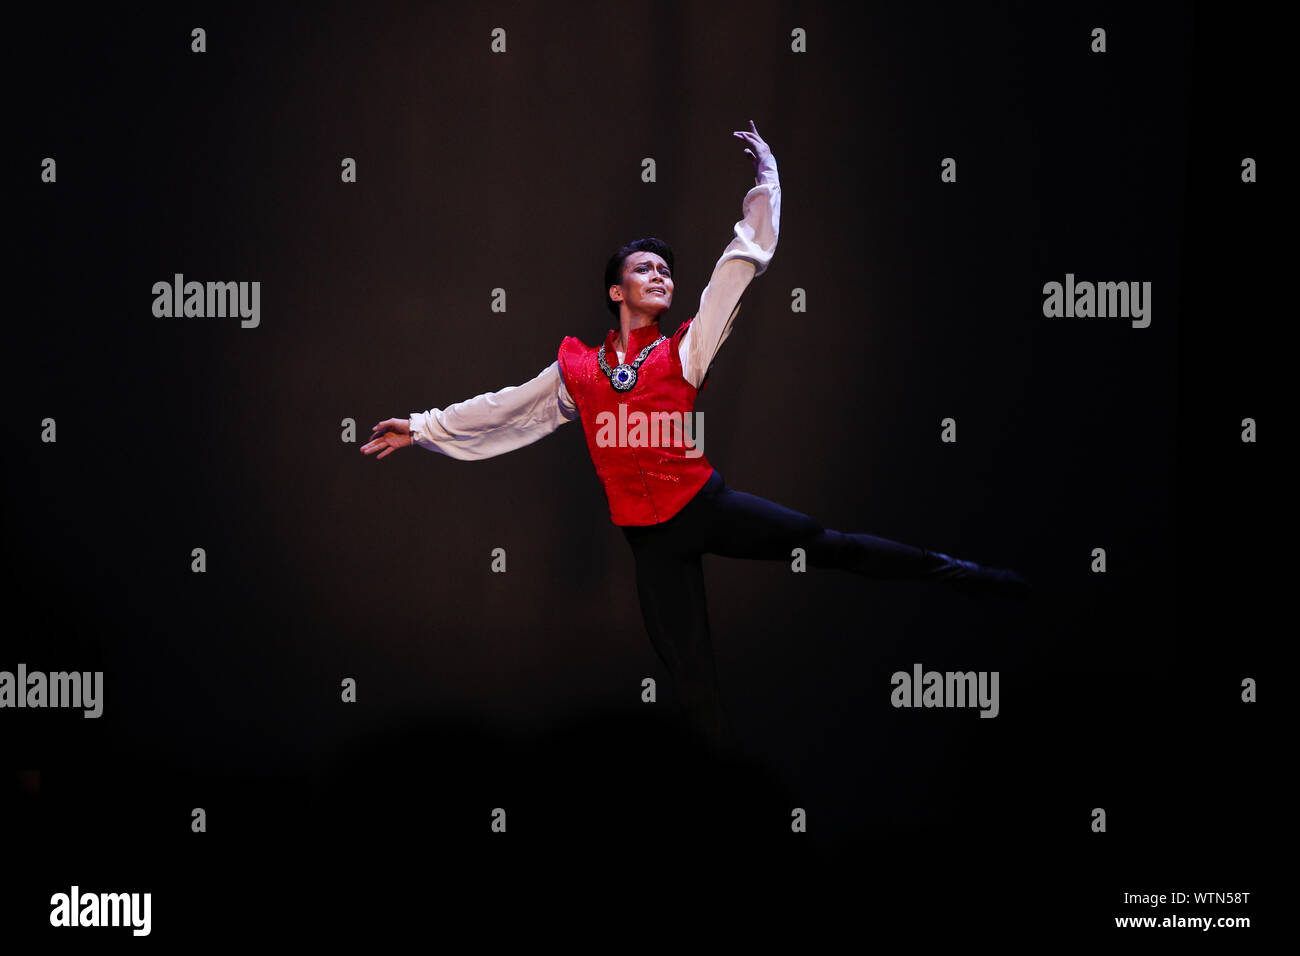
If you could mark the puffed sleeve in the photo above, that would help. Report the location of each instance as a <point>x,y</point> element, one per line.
<point>497,422</point>
<point>746,257</point>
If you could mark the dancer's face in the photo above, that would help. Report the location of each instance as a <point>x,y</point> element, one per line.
<point>647,284</point>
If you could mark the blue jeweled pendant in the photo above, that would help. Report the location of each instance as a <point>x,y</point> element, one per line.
<point>624,377</point>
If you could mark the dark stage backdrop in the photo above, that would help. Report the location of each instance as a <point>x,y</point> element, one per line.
<point>522,170</point>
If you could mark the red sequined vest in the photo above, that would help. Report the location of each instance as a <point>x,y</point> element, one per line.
<point>643,450</point>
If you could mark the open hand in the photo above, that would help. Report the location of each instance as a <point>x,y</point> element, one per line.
<point>758,151</point>
<point>388,436</point>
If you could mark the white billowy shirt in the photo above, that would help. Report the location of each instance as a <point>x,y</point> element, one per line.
<point>497,422</point>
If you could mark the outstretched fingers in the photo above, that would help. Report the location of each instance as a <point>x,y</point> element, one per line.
<point>378,440</point>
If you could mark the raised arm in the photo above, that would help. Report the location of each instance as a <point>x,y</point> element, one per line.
<point>746,257</point>
<point>486,425</point>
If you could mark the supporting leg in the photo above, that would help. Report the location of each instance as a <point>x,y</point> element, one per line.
<point>670,585</point>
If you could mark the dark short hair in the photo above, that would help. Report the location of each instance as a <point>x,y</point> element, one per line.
<point>614,268</point>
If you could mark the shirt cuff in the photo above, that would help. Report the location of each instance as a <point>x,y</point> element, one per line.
<point>417,427</point>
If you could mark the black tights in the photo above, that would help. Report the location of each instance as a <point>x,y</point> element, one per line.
<point>718,520</point>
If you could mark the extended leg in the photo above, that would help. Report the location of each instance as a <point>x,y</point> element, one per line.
<point>741,525</point>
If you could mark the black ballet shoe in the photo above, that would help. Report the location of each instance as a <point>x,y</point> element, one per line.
<point>972,578</point>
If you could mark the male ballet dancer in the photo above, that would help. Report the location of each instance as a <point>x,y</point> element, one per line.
<point>671,504</point>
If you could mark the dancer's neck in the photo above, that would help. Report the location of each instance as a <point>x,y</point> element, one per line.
<point>625,330</point>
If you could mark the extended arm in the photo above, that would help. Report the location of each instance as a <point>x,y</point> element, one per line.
<point>746,257</point>
<point>495,422</point>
